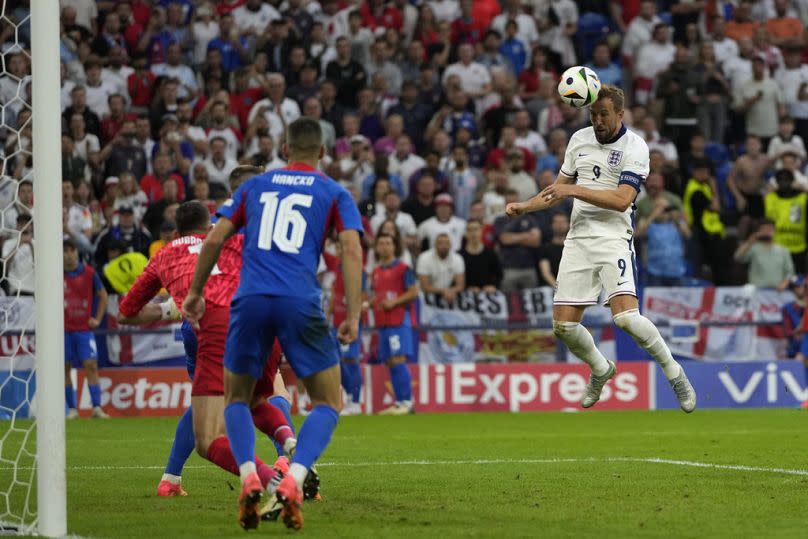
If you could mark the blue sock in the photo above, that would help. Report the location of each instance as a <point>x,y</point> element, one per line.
<point>352,380</point>
<point>315,434</point>
<point>240,431</point>
<point>95,395</point>
<point>402,382</point>
<point>183,444</point>
<point>70,397</point>
<point>283,405</point>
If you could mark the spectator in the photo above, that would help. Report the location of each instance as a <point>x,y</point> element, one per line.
<point>785,31</point>
<point>79,223</point>
<point>518,178</point>
<point>111,123</point>
<point>465,27</point>
<point>174,68</point>
<point>491,55</point>
<point>129,196</point>
<point>219,164</point>
<point>392,211</point>
<point>526,24</point>
<point>379,62</point>
<point>640,31</point>
<point>85,145</point>
<point>654,191</point>
<point>233,47</point>
<point>702,207</point>
<point>653,58</point>
<point>203,31</point>
<point>393,128</point>
<point>464,183</point>
<point>770,264</point>
<point>518,240</point>
<point>74,168</point>
<point>374,205</point>
<point>347,74</point>
<point>537,82</point>
<point>23,204</point>
<point>656,142</point>
<point>421,202</point>
<point>389,227</point>
<point>786,208</point>
<point>153,184</point>
<point>140,84</point>
<point>526,137</point>
<point>441,271</point>
<point>306,87</point>
<point>513,49</point>
<point>253,18</point>
<point>549,255</point>
<point>742,25</point>
<point>792,313</point>
<point>97,89</point>
<point>444,222</point>
<point>280,111</point>
<point>433,169</point>
<point>18,254</point>
<point>223,125</point>
<point>201,192</point>
<point>738,69</point>
<point>497,156</point>
<point>786,142</point>
<point>483,270</point>
<point>680,89</point>
<point>789,161</point>
<point>791,80</point>
<point>84,199</point>
<point>167,230</point>
<point>171,142</point>
<point>357,165</point>
<point>134,237</point>
<point>746,181</point>
<point>716,90</point>
<point>415,114</point>
<point>761,102</point>
<point>403,162</point>
<point>608,71</point>
<point>474,77</point>
<point>313,109</point>
<point>666,232</point>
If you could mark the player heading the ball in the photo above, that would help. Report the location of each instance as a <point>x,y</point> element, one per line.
<point>285,215</point>
<point>604,166</point>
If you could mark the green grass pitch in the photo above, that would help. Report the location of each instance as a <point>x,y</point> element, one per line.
<point>478,475</point>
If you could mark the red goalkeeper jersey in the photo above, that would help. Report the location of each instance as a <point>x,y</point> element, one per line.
<point>172,268</point>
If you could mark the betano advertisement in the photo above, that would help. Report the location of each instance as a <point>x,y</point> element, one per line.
<point>470,387</point>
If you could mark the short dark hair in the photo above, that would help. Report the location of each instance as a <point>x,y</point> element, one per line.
<point>191,216</point>
<point>241,173</point>
<point>304,136</point>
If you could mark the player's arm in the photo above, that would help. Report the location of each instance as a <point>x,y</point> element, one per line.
<point>194,306</point>
<point>352,277</point>
<point>103,299</point>
<point>537,203</point>
<point>146,286</point>
<point>153,312</point>
<point>614,199</point>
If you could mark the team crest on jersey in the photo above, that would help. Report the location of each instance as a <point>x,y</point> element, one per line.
<point>614,158</point>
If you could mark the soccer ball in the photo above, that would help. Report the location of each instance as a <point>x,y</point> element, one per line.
<point>579,86</point>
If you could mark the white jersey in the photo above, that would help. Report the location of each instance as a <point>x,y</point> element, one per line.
<point>603,167</point>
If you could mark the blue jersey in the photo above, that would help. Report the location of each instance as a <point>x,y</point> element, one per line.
<point>286,215</point>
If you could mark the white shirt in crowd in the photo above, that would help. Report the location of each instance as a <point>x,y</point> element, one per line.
<point>777,147</point>
<point>219,173</point>
<point>532,142</point>
<point>405,168</point>
<point>473,77</point>
<point>119,79</point>
<point>790,82</point>
<point>97,97</point>
<point>86,11</point>
<point>20,270</point>
<point>738,71</point>
<point>656,142</point>
<point>290,111</point>
<point>203,34</point>
<point>257,21</point>
<point>455,227</point>
<point>638,33</point>
<point>762,118</point>
<point>445,10</point>
<point>183,73</point>
<point>527,32</point>
<point>653,58</point>
<point>233,143</point>
<point>442,271</point>
<point>404,222</point>
<point>79,220</point>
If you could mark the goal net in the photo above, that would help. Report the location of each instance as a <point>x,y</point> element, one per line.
<point>31,376</point>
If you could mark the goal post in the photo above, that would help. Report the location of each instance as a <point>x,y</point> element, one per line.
<point>47,165</point>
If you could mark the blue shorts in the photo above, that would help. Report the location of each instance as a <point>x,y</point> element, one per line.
<point>803,346</point>
<point>79,347</point>
<point>299,325</point>
<point>394,342</point>
<point>351,351</point>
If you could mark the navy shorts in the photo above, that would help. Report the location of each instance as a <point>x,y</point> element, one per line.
<point>299,325</point>
<point>79,347</point>
<point>396,341</point>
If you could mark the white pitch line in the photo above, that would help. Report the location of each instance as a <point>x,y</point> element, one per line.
<point>475,462</point>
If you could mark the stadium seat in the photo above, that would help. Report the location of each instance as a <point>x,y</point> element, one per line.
<point>592,29</point>
<point>721,174</point>
<point>717,153</point>
<point>666,18</point>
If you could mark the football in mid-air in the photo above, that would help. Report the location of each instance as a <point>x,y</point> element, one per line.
<point>579,86</point>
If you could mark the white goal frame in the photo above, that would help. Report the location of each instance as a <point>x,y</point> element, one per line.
<point>47,164</point>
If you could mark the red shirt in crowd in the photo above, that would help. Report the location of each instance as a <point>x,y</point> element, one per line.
<point>390,17</point>
<point>110,126</point>
<point>497,155</point>
<point>241,104</point>
<point>154,187</point>
<point>141,87</point>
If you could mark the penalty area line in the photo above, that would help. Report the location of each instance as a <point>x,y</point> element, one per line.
<point>477,462</point>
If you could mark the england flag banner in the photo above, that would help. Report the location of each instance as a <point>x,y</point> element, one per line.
<point>672,307</point>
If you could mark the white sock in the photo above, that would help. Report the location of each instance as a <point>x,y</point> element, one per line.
<point>246,469</point>
<point>581,343</point>
<point>299,472</point>
<point>289,446</point>
<point>174,479</point>
<point>646,334</point>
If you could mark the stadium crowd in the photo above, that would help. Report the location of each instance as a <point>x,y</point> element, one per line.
<point>435,115</point>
